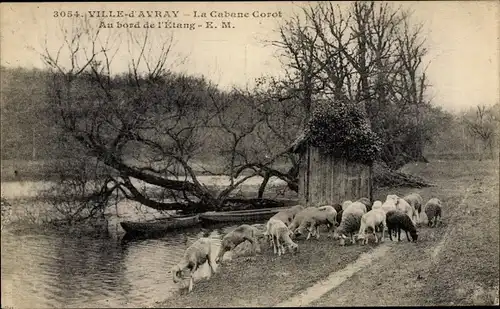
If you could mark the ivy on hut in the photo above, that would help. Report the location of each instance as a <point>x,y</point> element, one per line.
<point>341,130</point>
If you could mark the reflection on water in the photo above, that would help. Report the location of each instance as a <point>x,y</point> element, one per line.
<point>41,271</point>
<point>61,271</point>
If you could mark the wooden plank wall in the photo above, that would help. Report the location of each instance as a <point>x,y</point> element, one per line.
<point>332,181</point>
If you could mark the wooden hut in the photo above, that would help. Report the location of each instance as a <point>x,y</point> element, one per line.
<point>325,180</point>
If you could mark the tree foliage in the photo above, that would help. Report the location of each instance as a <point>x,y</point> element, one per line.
<point>341,130</point>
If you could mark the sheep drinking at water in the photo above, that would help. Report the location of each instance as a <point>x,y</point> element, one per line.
<point>371,220</point>
<point>416,201</point>
<point>280,233</point>
<point>237,236</point>
<point>326,215</point>
<point>433,211</point>
<point>398,221</point>
<point>195,256</point>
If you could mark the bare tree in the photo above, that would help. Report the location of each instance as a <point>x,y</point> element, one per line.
<point>483,124</point>
<point>150,127</point>
<point>369,54</point>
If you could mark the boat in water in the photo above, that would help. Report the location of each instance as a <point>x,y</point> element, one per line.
<point>160,225</point>
<point>252,215</point>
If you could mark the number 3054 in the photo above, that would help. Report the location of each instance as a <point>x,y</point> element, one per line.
<point>66,14</point>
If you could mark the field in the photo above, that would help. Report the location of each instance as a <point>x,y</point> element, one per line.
<point>456,263</point>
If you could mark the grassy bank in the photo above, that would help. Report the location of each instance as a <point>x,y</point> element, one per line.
<point>266,280</point>
<point>455,264</point>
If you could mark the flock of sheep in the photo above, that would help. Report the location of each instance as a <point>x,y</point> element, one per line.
<point>350,220</point>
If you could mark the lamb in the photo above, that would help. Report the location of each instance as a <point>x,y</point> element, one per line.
<point>350,223</point>
<point>372,219</point>
<point>195,256</point>
<point>416,201</point>
<point>286,216</point>
<point>237,236</point>
<point>366,202</point>
<point>377,205</point>
<point>433,211</point>
<point>397,220</point>
<point>280,232</point>
<point>323,215</point>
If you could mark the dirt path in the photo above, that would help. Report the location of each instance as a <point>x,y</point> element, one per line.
<point>457,267</point>
<point>335,279</point>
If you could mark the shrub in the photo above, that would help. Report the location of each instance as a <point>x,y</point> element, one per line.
<point>342,130</point>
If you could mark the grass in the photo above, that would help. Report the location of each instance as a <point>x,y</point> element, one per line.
<point>461,269</point>
<point>407,275</point>
<point>266,279</point>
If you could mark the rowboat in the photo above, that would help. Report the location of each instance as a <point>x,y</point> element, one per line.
<point>240,215</point>
<point>160,225</point>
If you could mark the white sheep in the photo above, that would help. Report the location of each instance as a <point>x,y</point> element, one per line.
<point>237,236</point>
<point>300,216</point>
<point>390,203</point>
<point>354,207</point>
<point>286,216</point>
<point>345,204</point>
<point>404,207</point>
<point>313,220</point>
<point>377,205</point>
<point>195,256</point>
<point>280,233</point>
<point>350,223</point>
<point>416,201</point>
<point>372,219</point>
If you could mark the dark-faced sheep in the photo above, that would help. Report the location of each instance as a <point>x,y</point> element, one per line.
<point>433,211</point>
<point>398,221</point>
<point>337,207</point>
<point>195,256</point>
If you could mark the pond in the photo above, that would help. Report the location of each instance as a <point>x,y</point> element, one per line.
<point>42,271</point>
<point>63,271</point>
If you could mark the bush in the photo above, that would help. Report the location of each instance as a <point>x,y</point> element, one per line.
<point>342,130</point>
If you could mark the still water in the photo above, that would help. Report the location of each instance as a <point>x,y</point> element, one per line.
<point>40,271</point>
<point>62,271</point>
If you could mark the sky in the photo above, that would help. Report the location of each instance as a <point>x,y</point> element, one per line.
<point>462,39</point>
